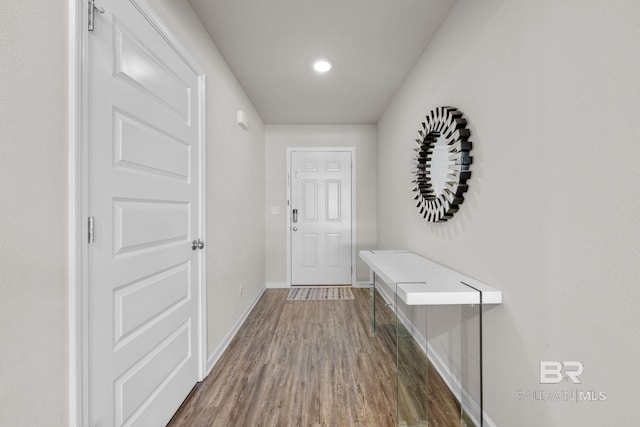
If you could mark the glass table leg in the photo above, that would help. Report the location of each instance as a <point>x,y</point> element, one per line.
<point>424,397</point>
<point>372,306</point>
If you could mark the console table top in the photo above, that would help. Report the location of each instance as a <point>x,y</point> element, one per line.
<point>420,281</point>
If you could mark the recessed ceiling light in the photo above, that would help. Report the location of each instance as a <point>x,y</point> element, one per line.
<point>322,65</point>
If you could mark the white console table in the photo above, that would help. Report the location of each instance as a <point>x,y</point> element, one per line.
<point>421,282</point>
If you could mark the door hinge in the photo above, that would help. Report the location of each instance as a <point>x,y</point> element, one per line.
<point>92,13</point>
<point>91,236</point>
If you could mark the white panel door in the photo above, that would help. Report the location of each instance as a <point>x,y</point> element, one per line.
<point>144,192</point>
<point>320,217</point>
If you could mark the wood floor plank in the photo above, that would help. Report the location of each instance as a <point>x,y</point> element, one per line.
<point>309,363</point>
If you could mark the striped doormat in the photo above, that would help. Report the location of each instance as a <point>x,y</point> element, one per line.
<point>318,294</point>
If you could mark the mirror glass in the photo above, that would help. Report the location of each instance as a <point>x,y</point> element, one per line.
<point>440,163</point>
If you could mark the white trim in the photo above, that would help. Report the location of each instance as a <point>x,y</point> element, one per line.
<point>283,285</point>
<point>202,289</point>
<point>470,406</point>
<point>78,406</point>
<point>277,285</point>
<point>351,150</point>
<point>77,212</point>
<point>365,285</point>
<point>215,356</point>
<point>147,11</point>
<point>354,260</point>
<point>288,232</point>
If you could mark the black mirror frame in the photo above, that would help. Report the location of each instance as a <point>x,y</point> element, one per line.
<point>450,123</point>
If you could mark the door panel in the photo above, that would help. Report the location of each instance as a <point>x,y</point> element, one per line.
<point>310,250</point>
<point>144,192</point>
<point>139,304</point>
<point>143,224</point>
<point>138,64</point>
<point>136,388</point>
<point>333,247</point>
<point>310,199</point>
<point>145,149</point>
<point>333,200</point>
<point>321,236</point>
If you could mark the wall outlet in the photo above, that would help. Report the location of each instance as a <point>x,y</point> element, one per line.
<point>241,289</point>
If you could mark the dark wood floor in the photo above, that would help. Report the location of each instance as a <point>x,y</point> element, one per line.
<point>314,363</point>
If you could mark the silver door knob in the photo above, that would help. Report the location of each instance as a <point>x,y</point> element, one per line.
<point>197,244</point>
<point>295,228</point>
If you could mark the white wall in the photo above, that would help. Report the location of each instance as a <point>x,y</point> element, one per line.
<point>235,180</point>
<point>278,138</point>
<point>33,200</point>
<point>551,92</point>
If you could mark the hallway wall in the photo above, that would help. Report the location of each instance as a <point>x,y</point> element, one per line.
<point>278,138</point>
<point>33,208</point>
<point>550,90</point>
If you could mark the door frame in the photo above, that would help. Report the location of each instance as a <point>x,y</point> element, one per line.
<point>351,150</point>
<point>78,197</point>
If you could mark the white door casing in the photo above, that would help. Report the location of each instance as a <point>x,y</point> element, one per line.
<point>320,217</point>
<point>143,347</point>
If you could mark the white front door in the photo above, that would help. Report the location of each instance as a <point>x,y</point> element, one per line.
<point>144,192</point>
<point>320,217</point>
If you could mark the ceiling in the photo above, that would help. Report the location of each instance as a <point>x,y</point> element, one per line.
<point>271,46</point>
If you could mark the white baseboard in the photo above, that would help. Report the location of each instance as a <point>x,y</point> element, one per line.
<point>469,405</point>
<point>388,299</point>
<point>280,285</point>
<point>215,356</point>
<point>361,285</point>
<point>277,285</point>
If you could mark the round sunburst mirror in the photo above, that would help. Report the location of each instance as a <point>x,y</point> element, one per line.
<point>442,164</point>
